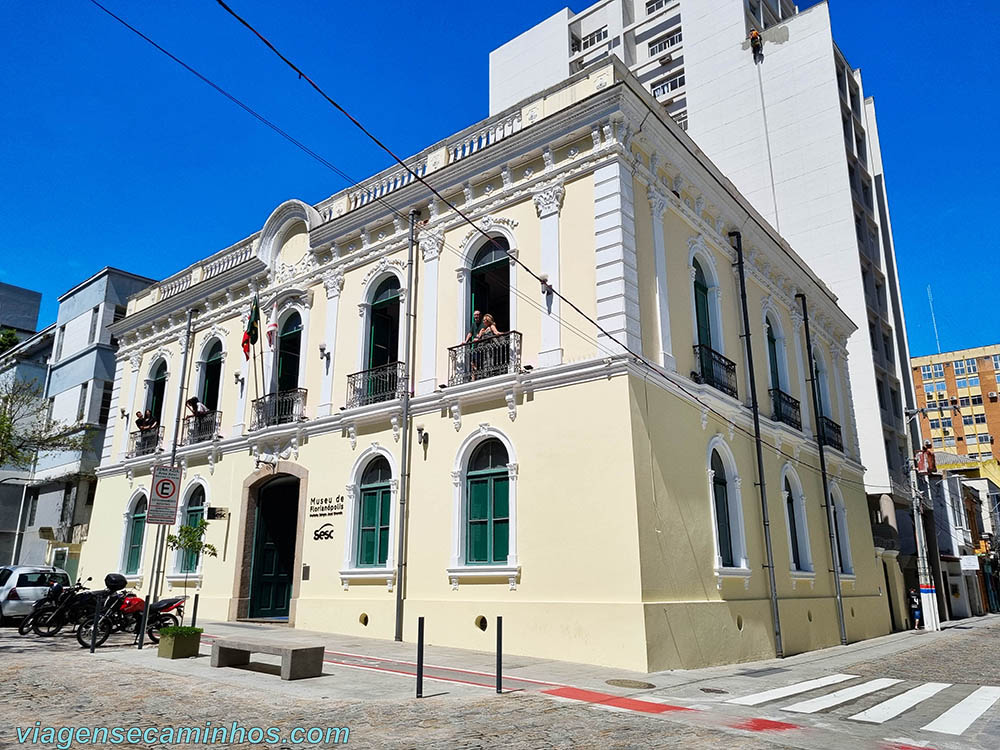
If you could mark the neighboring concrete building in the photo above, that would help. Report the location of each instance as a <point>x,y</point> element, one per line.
<point>26,362</point>
<point>19,309</point>
<point>78,392</point>
<point>959,389</point>
<point>793,130</point>
<point>606,506</point>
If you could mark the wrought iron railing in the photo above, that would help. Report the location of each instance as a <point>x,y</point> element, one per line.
<point>377,384</point>
<point>830,434</point>
<point>785,408</point>
<point>487,358</point>
<point>144,442</point>
<point>201,427</point>
<point>278,408</point>
<point>715,370</point>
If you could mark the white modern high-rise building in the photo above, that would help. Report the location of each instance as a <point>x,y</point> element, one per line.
<point>793,130</point>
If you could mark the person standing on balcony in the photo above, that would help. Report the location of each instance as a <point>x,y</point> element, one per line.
<point>477,327</point>
<point>198,409</point>
<point>487,360</point>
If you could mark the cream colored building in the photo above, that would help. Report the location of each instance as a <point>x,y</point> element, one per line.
<point>606,508</point>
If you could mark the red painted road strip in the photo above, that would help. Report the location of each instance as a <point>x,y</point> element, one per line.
<point>764,725</point>
<point>616,701</point>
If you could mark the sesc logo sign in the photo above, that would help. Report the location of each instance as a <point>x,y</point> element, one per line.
<point>323,532</point>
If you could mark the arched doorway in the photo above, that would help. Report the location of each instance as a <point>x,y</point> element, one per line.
<point>157,391</point>
<point>490,283</point>
<point>272,562</point>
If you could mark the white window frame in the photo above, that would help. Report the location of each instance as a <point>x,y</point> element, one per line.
<point>471,246</point>
<point>350,571</point>
<point>458,570</point>
<point>593,38</point>
<point>777,327</point>
<point>669,84</point>
<point>734,498</point>
<point>175,575</point>
<point>135,578</point>
<point>843,536</point>
<point>668,41</point>
<point>698,249</point>
<point>801,524</point>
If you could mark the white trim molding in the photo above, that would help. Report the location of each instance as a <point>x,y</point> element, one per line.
<point>350,572</point>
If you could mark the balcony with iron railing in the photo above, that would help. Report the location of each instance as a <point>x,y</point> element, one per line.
<point>375,385</point>
<point>830,433</point>
<point>487,358</point>
<point>144,442</point>
<point>199,428</point>
<point>715,370</point>
<point>283,407</point>
<point>785,408</point>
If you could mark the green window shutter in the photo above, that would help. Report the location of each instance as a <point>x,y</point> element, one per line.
<point>135,545</point>
<point>722,519</point>
<point>383,527</point>
<point>368,531</point>
<point>772,354</point>
<point>501,522</point>
<point>703,317</point>
<point>479,521</point>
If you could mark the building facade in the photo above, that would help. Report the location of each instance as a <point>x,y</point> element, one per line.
<point>793,130</point>
<point>19,309</point>
<point>26,362</point>
<point>587,473</point>
<point>78,392</point>
<point>958,391</point>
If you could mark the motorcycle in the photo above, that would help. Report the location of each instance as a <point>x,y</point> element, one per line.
<point>122,612</point>
<point>53,596</point>
<point>70,610</point>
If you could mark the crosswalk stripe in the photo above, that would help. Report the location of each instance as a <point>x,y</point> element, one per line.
<point>783,692</point>
<point>841,696</point>
<point>895,706</point>
<point>959,717</point>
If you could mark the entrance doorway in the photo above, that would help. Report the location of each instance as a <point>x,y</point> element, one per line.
<point>272,565</point>
<point>490,283</point>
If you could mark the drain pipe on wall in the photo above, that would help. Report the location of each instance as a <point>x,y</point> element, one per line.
<point>831,524</point>
<point>404,464</point>
<point>779,650</point>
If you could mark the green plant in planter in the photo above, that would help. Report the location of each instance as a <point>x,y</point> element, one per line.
<point>190,541</point>
<point>179,642</point>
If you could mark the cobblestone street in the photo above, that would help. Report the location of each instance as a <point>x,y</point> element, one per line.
<point>55,682</point>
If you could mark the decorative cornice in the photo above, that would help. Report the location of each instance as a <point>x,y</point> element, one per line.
<point>548,199</point>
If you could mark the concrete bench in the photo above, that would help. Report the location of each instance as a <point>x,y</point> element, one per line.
<point>297,660</point>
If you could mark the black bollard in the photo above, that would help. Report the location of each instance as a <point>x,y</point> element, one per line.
<point>93,631</point>
<point>194,611</point>
<point>143,620</point>
<point>420,657</point>
<point>499,654</point>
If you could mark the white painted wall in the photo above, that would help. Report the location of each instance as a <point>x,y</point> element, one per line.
<point>531,62</point>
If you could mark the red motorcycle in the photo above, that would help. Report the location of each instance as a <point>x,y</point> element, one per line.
<point>122,612</point>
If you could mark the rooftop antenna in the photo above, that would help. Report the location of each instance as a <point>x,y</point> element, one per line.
<point>930,300</point>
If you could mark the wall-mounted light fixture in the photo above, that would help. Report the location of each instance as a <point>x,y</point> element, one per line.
<point>323,353</point>
<point>237,378</point>
<point>422,435</point>
<point>124,414</point>
<point>546,287</point>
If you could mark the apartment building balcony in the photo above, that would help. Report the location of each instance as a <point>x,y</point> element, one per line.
<point>478,360</point>
<point>831,434</point>
<point>144,442</point>
<point>715,370</point>
<point>376,384</point>
<point>283,407</point>
<point>201,427</point>
<point>884,536</point>
<point>785,409</point>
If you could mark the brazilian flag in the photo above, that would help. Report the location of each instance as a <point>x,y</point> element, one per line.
<point>252,332</point>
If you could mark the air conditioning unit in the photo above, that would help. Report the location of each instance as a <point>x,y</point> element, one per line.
<point>664,59</point>
<point>993,395</point>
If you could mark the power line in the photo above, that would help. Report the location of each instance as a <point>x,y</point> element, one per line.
<point>354,183</point>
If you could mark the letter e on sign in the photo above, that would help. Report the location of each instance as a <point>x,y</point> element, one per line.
<point>163,497</point>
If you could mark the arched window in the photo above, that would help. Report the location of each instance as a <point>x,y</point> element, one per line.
<point>383,328</point>
<point>135,529</point>
<point>793,528</point>
<point>822,384</point>
<point>702,309</point>
<point>487,505</point>
<point>194,512</point>
<point>373,518</point>
<point>157,391</point>
<point>774,355</point>
<point>489,287</point>
<point>723,521</point>
<point>289,352</point>
<point>211,377</point>
<point>844,560</point>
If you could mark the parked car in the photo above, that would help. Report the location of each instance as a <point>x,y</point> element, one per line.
<point>22,585</point>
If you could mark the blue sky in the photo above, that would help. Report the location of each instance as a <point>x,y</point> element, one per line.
<point>114,155</point>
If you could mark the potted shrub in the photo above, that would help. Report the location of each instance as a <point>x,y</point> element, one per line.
<point>179,642</point>
<point>190,542</point>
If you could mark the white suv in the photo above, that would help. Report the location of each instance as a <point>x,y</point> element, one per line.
<point>22,585</point>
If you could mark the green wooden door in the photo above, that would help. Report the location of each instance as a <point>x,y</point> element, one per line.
<point>272,567</point>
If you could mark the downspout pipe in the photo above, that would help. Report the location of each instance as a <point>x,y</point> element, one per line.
<point>161,530</point>
<point>820,440</point>
<point>779,650</point>
<point>404,473</point>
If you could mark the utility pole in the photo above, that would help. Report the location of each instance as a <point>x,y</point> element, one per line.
<point>928,592</point>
